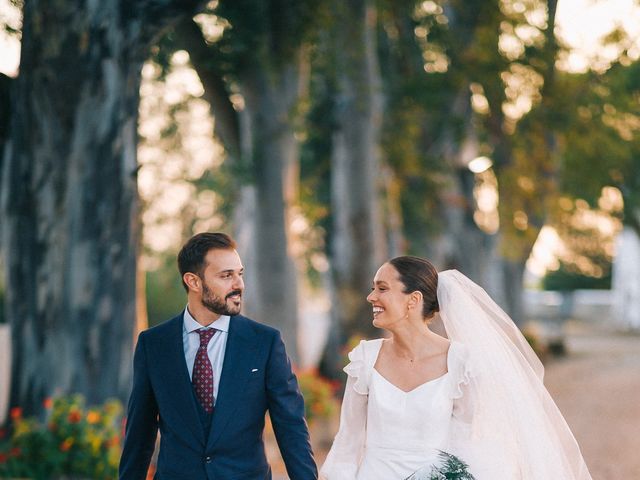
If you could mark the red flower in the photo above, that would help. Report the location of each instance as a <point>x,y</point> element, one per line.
<point>3,458</point>
<point>74,416</point>
<point>15,413</point>
<point>15,451</point>
<point>113,441</point>
<point>47,403</point>
<point>66,445</point>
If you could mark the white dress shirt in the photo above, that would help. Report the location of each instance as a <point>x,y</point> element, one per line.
<point>215,349</point>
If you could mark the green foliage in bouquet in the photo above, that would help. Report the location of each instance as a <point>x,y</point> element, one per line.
<point>71,441</point>
<point>451,468</point>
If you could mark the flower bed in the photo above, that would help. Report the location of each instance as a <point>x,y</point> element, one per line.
<point>70,440</point>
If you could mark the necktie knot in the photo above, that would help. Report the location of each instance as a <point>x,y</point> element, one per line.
<point>205,335</point>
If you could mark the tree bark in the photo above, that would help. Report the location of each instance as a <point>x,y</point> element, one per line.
<point>70,201</point>
<point>465,246</point>
<point>5,114</point>
<point>358,240</point>
<point>260,140</point>
<point>270,95</point>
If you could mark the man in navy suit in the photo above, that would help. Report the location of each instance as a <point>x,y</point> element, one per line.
<point>207,377</point>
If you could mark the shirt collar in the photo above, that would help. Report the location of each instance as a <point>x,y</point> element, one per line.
<point>191,325</point>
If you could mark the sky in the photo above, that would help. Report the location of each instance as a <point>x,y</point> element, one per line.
<point>582,23</point>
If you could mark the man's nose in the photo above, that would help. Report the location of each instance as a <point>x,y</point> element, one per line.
<point>238,283</point>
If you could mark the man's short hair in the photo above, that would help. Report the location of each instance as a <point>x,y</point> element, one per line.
<point>192,255</point>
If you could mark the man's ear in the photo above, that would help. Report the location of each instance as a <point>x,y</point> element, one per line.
<point>192,281</point>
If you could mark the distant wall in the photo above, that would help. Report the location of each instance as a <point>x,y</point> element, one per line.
<point>626,280</point>
<point>587,305</point>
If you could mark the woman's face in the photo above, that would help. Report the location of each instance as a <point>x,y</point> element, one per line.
<point>390,303</point>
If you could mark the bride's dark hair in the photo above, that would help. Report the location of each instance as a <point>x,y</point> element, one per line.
<point>418,274</point>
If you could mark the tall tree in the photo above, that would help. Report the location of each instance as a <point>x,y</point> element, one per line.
<point>357,243</point>
<point>357,240</point>
<point>260,60</point>
<point>70,225</point>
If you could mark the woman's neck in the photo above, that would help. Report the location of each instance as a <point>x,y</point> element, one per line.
<point>414,341</point>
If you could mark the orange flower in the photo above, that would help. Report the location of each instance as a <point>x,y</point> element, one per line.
<point>15,413</point>
<point>113,441</point>
<point>66,445</point>
<point>47,403</point>
<point>93,417</point>
<point>74,416</point>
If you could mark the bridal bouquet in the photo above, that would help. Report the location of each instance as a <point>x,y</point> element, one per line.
<point>451,468</point>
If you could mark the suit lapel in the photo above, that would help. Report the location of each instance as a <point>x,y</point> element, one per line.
<point>238,359</point>
<point>177,378</point>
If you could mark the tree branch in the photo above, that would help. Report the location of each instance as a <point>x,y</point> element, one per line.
<point>227,124</point>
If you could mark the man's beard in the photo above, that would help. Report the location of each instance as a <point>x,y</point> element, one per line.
<point>217,304</point>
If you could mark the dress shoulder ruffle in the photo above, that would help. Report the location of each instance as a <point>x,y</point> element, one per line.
<point>460,372</point>
<point>361,361</point>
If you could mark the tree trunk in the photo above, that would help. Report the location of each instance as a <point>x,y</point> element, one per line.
<point>5,114</point>
<point>260,140</point>
<point>464,246</point>
<point>513,273</point>
<point>357,243</point>
<point>70,196</point>
<point>270,95</point>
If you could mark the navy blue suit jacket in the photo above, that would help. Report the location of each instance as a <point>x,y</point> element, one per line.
<point>256,377</point>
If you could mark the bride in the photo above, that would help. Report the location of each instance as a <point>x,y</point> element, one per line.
<point>477,394</point>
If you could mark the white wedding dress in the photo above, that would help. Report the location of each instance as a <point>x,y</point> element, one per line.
<point>387,433</point>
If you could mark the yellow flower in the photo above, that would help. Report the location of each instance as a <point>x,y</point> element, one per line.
<point>95,441</point>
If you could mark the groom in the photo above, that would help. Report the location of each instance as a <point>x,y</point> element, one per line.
<point>207,377</point>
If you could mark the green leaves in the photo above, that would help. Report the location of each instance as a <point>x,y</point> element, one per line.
<point>450,468</point>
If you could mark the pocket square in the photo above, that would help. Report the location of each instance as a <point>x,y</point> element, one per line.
<point>253,370</point>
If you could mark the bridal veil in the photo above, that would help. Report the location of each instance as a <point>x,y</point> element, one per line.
<point>513,425</point>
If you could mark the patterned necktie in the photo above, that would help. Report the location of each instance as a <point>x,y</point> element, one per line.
<point>202,376</point>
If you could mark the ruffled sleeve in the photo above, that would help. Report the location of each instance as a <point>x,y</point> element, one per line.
<point>356,369</point>
<point>346,452</point>
<point>460,375</point>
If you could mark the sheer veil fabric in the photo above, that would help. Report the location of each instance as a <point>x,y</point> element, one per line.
<point>510,428</point>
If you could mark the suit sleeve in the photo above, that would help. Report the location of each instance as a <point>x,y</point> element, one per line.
<point>142,420</point>
<point>286,409</point>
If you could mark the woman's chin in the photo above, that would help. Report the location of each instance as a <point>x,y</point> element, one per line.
<point>377,323</point>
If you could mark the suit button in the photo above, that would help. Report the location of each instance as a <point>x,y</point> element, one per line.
<point>207,459</point>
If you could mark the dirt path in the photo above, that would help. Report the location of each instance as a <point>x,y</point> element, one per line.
<point>597,388</point>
